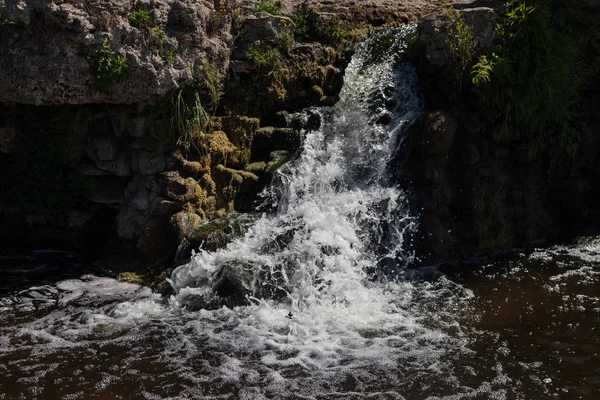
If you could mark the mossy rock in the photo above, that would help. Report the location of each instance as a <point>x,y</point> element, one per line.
<point>131,277</point>
<point>269,139</point>
<point>216,234</point>
<point>278,159</point>
<point>239,129</point>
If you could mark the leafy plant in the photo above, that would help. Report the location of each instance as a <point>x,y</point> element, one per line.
<point>334,31</point>
<point>160,37</point>
<point>140,19</point>
<point>264,55</point>
<point>108,67</point>
<point>272,7</point>
<point>462,44</point>
<point>300,18</point>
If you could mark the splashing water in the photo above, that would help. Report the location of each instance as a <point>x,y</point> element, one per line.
<point>320,305</point>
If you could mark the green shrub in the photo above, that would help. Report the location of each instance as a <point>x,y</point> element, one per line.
<point>462,45</point>
<point>140,19</point>
<point>264,55</point>
<point>531,81</point>
<point>300,18</point>
<point>108,67</point>
<point>160,37</point>
<point>333,31</point>
<point>272,7</point>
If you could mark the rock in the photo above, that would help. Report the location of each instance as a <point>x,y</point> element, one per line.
<point>269,139</point>
<point>108,190</point>
<point>175,187</point>
<point>138,127</point>
<point>162,206</point>
<point>436,136</point>
<point>151,163</point>
<point>8,143</point>
<point>157,242</point>
<point>264,26</point>
<point>130,222</point>
<point>183,223</point>
<point>239,129</point>
<point>472,156</point>
<point>483,21</point>
<point>57,66</point>
<point>106,149</point>
<point>215,234</point>
<point>120,167</point>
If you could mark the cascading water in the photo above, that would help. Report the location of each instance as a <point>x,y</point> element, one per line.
<point>313,302</point>
<point>336,218</point>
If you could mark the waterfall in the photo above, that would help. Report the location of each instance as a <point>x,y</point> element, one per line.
<point>338,224</point>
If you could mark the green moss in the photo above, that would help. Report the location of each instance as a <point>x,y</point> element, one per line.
<point>317,92</point>
<point>130,277</point>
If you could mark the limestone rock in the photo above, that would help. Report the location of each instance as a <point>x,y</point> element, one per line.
<point>264,26</point>
<point>50,49</point>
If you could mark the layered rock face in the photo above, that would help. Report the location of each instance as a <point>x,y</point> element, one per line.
<point>51,48</point>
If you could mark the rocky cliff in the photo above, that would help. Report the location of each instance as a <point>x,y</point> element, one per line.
<point>479,191</point>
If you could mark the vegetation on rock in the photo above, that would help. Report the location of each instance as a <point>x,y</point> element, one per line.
<point>108,67</point>
<point>140,19</point>
<point>529,82</point>
<point>272,7</point>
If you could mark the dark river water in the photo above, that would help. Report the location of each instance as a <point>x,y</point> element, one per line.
<point>317,299</point>
<point>521,328</point>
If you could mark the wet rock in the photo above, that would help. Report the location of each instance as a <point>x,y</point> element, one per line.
<point>216,234</point>
<point>183,223</point>
<point>437,134</point>
<point>269,139</point>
